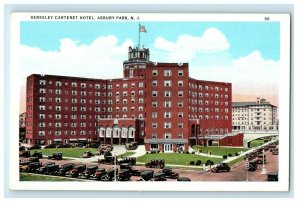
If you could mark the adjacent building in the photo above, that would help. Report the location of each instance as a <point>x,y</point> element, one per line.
<point>157,104</point>
<point>259,115</point>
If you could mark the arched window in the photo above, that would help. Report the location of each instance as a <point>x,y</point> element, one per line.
<point>131,72</point>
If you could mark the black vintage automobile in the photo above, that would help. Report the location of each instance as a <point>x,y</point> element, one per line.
<point>133,171</point>
<point>252,166</point>
<point>124,175</point>
<point>56,156</point>
<point>108,160</point>
<point>275,151</point>
<point>51,169</point>
<point>155,163</point>
<point>129,160</point>
<point>87,154</point>
<point>222,167</point>
<point>33,166</point>
<point>33,159</point>
<point>98,174</point>
<point>272,177</point>
<point>90,170</point>
<point>109,175</point>
<point>131,146</point>
<point>65,168</point>
<point>184,179</point>
<point>41,170</point>
<point>260,158</point>
<point>146,175</point>
<point>77,170</point>
<point>160,176</point>
<point>169,173</point>
<point>37,154</point>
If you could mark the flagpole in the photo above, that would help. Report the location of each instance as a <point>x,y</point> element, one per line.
<point>139,35</point>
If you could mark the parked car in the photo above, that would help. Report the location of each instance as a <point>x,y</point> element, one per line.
<point>155,163</point>
<point>35,147</point>
<point>90,170</point>
<point>109,175</point>
<point>56,156</point>
<point>41,170</point>
<point>109,160</point>
<point>33,166</point>
<point>23,166</point>
<point>65,168</point>
<point>77,170</point>
<point>87,154</point>
<point>124,175</point>
<point>33,159</point>
<point>98,174</point>
<point>37,154</point>
<point>160,176</point>
<point>94,145</point>
<point>252,166</point>
<point>272,177</point>
<point>222,167</point>
<point>131,146</point>
<point>260,158</point>
<point>51,169</point>
<point>146,175</point>
<point>50,146</point>
<point>129,160</point>
<point>184,179</point>
<point>169,173</point>
<point>25,154</point>
<point>133,171</point>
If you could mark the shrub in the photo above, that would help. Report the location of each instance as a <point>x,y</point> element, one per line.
<point>236,154</point>
<point>162,151</point>
<point>198,162</point>
<point>193,152</point>
<point>187,152</point>
<point>146,152</point>
<point>200,151</point>
<point>209,162</point>
<point>225,156</point>
<point>192,162</point>
<point>265,141</point>
<point>230,155</point>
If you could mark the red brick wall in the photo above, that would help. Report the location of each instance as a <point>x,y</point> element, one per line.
<point>234,141</point>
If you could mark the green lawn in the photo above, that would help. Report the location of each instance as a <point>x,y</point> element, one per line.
<point>176,159</point>
<point>219,151</point>
<point>67,152</point>
<point>33,177</point>
<point>256,143</point>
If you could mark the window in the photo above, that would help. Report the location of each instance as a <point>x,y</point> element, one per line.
<point>154,83</point>
<point>74,84</point>
<point>42,107</point>
<point>42,99</point>
<point>140,109</point>
<point>180,72</point>
<point>168,93</point>
<point>168,135</point>
<point>132,85</point>
<point>83,85</point>
<point>180,83</point>
<point>154,93</point>
<point>42,82</point>
<point>154,103</point>
<point>180,103</point>
<point>141,84</point>
<point>180,125</point>
<point>167,114</point>
<point>180,135</point>
<point>154,73</point>
<point>125,85</point>
<point>167,72</point>
<point>58,91</point>
<point>58,83</point>
<point>154,135</point>
<point>42,90</point>
<point>141,100</point>
<point>167,83</point>
<point>109,86</point>
<point>180,114</point>
<point>168,104</point>
<point>180,93</point>
<point>154,114</point>
<point>167,125</point>
<point>124,93</point>
<point>154,125</point>
<point>97,86</point>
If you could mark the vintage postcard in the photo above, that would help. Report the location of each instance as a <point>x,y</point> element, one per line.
<point>149,102</point>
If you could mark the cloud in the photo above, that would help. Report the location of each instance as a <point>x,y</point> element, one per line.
<point>187,47</point>
<point>250,74</point>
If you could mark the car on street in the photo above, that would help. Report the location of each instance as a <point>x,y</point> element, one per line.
<point>272,177</point>
<point>184,179</point>
<point>77,170</point>
<point>155,163</point>
<point>124,175</point>
<point>90,170</point>
<point>65,168</point>
<point>146,175</point>
<point>222,167</point>
<point>87,154</point>
<point>131,146</point>
<point>169,173</point>
<point>56,156</point>
<point>160,176</point>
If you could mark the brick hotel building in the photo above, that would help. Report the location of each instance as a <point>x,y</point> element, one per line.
<point>157,104</point>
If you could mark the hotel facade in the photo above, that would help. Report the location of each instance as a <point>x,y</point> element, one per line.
<point>157,104</point>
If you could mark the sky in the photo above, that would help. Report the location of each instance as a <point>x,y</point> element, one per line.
<point>247,54</point>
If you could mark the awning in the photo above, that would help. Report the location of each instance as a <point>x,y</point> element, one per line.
<point>82,138</point>
<point>57,139</point>
<point>74,139</point>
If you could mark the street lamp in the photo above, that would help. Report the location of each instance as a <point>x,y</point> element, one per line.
<point>115,166</point>
<point>263,171</point>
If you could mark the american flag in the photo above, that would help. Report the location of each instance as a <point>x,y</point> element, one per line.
<point>143,29</point>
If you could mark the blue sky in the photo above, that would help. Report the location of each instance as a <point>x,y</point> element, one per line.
<point>244,37</point>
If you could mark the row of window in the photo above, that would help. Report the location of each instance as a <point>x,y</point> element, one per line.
<point>200,87</point>
<point>167,125</point>
<point>84,85</point>
<point>84,93</point>
<point>167,72</point>
<point>167,114</point>
<point>167,83</point>
<point>83,100</point>
<point>194,109</point>
<point>167,93</point>
<point>206,95</point>
<point>168,136</point>
<point>59,132</point>
<point>200,102</point>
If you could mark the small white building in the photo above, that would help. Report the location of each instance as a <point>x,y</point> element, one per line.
<point>259,115</point>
